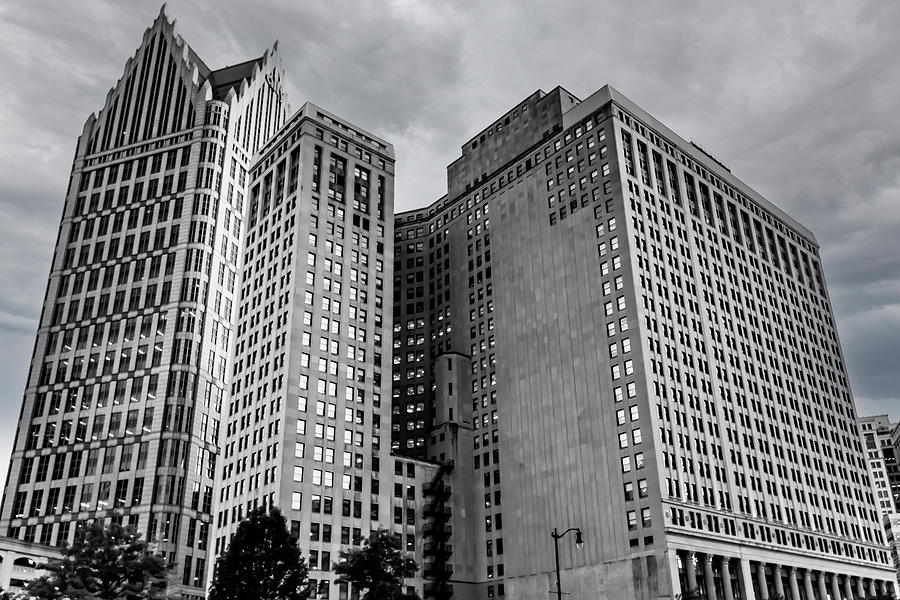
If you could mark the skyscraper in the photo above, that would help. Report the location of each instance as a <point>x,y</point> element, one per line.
<point>131,365</point>
<point>308,417</point>
<point>651,357</point>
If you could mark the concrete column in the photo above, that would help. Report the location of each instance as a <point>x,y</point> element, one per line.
<point>835,588</point>
<point>795,588</point>
<point>710,578</point>
<point>823,591</point>
<point>807,585</point>
<point>860,589</point>
<point>872,591</point>
<point>673,572</point>
<point>779,585</point>
<point>848,589</point>
<point>726,579</point>
<point>746,578</point>
<point>761,580</point>
<point>691,573</point>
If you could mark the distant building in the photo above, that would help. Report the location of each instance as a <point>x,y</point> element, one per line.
<point>881,439</point>
<point>20,562</point>
<point>882,443</point>
<point>647,349</point>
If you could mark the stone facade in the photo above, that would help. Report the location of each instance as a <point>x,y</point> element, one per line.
<point>653,359</point>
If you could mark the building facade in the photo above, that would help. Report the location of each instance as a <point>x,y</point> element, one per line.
<point>21,561</point>
<point>306,425</point>
<point>652,357</point>
<point>131,366</point>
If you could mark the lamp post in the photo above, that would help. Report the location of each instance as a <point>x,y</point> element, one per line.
<point>579,542</point>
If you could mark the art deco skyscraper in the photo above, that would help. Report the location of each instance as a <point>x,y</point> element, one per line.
<point>308,418</point>
<point>132,361</point>
<point>648,353</point>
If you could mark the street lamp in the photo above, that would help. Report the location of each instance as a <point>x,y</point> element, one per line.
<point>579,543</point>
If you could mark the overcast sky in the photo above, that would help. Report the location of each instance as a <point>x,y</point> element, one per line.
<point>798,98</point>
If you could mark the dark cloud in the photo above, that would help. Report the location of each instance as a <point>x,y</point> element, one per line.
<point>798,97</point>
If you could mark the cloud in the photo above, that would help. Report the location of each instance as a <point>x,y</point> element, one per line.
<point>798,97</point>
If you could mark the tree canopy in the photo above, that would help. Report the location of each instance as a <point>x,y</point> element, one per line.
<point>108,563</point>
<point>378,567</point>
<point>262,562</point>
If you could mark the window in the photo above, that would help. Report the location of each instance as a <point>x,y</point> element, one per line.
<point>639,460</point>
<point>632,520</point>
<point>626,464</point>
<point>296,500</point>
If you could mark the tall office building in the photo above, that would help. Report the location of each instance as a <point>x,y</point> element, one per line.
<point>131,368</point>
<point>648,353</point>
<point>308,417</point>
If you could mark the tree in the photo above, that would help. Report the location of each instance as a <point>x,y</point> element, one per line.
<point>262,562</point>
<point>13,595</point>
<point>377,567</point>
<point>108,563</point>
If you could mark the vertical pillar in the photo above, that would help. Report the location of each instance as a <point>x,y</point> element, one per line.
<point>710,578</point>
<point>746,579</point>
<point>691,573</point>
<point>726,579</point>
<point>795,588</point>
<point>674,576</point>
<point>872,591</point>
<point>807,585</point>
<point>835,588</point>
<point>779,585</point>
<point>848,589</point>
<point>860,589</point>
<point>761,580</point>
<point>823,591</point>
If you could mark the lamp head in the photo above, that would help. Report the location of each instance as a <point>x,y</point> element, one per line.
<point>579,539</point>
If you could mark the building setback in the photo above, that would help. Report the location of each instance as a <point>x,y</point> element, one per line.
<point>650,355</point>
